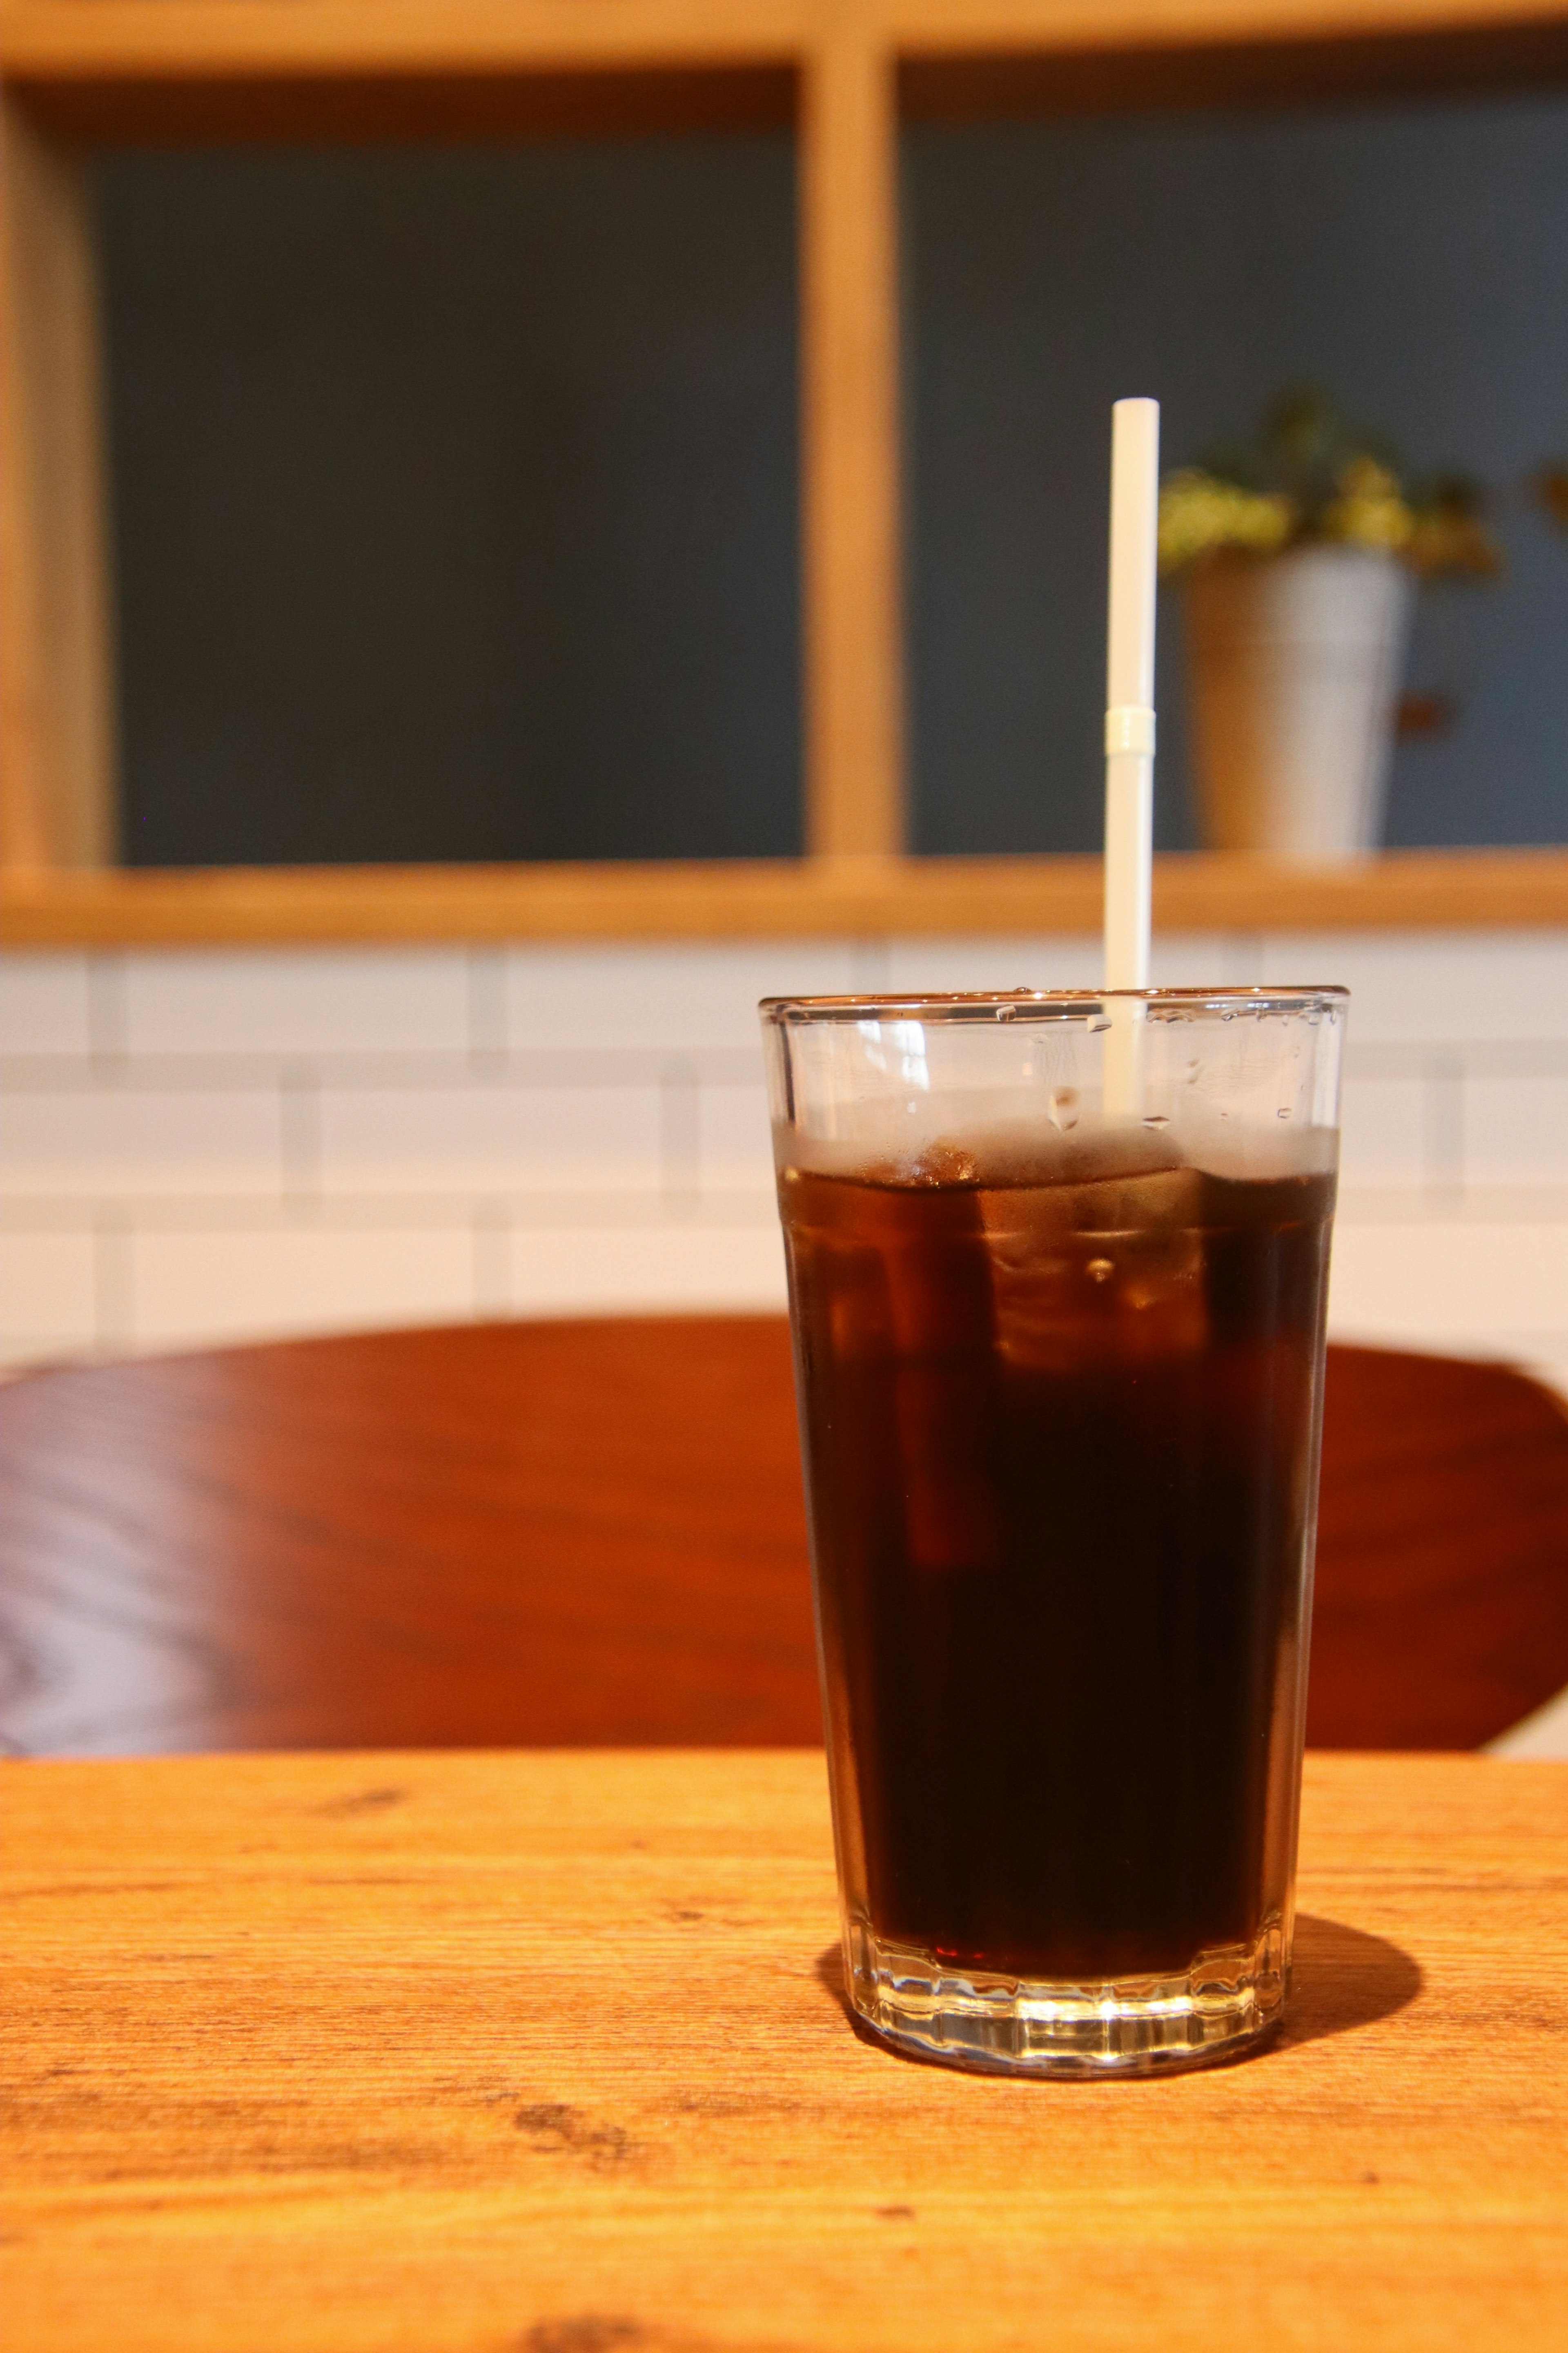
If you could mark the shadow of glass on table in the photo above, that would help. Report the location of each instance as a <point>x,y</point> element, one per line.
<point>1344,1977</point>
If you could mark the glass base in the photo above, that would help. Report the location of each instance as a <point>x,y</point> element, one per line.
<point>1225,2004</point>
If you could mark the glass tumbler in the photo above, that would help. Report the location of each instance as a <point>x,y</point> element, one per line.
<point>1058,1266</point>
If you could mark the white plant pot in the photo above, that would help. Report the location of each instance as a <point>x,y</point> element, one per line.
<point>1294,664</point>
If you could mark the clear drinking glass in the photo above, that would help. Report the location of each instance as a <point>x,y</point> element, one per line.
<point>1058,1266</point>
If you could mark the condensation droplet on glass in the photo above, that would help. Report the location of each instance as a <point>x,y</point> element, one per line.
<point>1157,1119</point>
<point>1097,1025</point>
<point>1064,1108</point>
<point>1283,1111</point>
<point>1099,1270</point>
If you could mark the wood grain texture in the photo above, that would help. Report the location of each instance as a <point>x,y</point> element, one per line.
<point>540,2054</point>
<point>849,425</point>
<point>829,898</point>
<point>585,1532</point>
<point>50,40</point>
<point>1442,1601</point>
<point>546,1534</point>
<point>56,687</point>
<point>47,42</point>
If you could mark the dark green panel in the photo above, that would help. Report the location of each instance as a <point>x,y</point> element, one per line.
<point>456,500</point>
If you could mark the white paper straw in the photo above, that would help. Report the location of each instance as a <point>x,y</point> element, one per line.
<point>1130,740</point>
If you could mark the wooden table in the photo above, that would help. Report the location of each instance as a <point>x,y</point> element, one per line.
<point>546,2053</point>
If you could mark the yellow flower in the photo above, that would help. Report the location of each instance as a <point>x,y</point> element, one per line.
<point>1199,513</point>
<point>1370,511</point>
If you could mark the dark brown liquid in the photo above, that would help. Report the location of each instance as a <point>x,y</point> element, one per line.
<point>1060,1447</point>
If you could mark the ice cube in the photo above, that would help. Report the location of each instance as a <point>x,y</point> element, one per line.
<point>1092,1274</point>
<point>937,1269</point>
<point>1019,1218</point>
<point>904,1266</point>
<point>907,1273</point>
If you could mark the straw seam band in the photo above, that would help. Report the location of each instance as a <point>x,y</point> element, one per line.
<point>1129,727</point>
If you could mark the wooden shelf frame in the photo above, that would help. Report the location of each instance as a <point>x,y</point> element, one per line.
<point>813,898</point>
<point>73,76</point>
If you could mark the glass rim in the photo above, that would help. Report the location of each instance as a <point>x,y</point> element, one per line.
<point>971,1005</point>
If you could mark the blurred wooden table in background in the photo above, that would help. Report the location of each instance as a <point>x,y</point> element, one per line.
<point>546,2053</point>
<point>580,1533</point>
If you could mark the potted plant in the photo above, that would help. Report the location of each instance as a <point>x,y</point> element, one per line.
<point>1297,562</point>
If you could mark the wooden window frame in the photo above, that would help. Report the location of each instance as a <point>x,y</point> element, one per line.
<point>73,77</point>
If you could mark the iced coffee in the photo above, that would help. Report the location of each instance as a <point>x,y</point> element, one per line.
<point>1059,1379</point>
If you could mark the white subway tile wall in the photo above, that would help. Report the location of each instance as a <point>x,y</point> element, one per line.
<point>199,1147</point>
<point>122,1139</point>
<point>190,1289</point>
<point>464,1138</point>
<point>307,1001</point>
<point>49,1294</point>
<point>44,1006</point>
